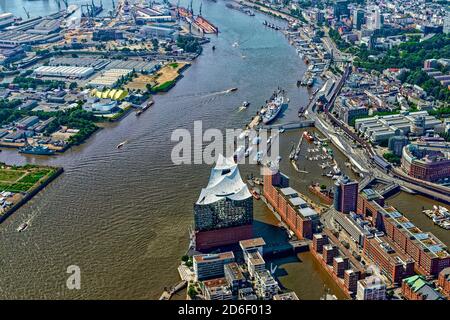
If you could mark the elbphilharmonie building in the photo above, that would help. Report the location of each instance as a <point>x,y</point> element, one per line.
<point>223,213</point>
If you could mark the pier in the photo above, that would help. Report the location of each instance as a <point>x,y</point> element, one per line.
<point>169,292</point>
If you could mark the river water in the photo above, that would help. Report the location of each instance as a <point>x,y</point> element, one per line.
<point>123,215</point>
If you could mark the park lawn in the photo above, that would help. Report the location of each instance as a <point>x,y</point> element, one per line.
<point>10,175</point>
<point>22,180</point>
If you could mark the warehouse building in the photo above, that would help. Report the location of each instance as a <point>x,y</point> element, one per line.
<point>64,72</point>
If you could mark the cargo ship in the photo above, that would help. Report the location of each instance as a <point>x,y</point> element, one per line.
<point>38,150</point>
<point>274,106</point>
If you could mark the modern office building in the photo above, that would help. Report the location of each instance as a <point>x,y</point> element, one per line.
<point>223,213</point>
<point>266,285</point>
<point>255,263</point>
<point>345,195</point>
<point>234,277</point>
<point>371,288</point>
<point>209,266</point>
<point>216,289</point>
<point>340,9</point>
<point>396,144</point>
<point>373,18</point>
<point>358,18</point>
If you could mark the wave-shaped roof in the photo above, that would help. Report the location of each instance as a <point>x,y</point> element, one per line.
<point>224,182</point>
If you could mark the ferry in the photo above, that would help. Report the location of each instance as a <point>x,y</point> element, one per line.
<point>38,150</point>
<point>274,107</point>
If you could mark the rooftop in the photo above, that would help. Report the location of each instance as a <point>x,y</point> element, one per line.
<point>212,257</point>
<point>252,243</point>
<point>225,182</point>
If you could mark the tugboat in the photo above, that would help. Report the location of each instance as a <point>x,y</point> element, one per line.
<point>38,150</point>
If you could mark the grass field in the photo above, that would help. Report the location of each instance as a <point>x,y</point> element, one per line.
<point>162,78</point>
<point>22,179</point>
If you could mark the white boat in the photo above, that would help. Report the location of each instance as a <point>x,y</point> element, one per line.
<point>120,145</point>
<point>245,104</point>
<point>274,107</point>
<point>22,227</point>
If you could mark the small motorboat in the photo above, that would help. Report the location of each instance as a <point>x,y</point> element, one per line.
<point>232,89</point>
<point>120,145</point>
<point>245,104</point>
<point>22,227</point>
<point>255,194</point>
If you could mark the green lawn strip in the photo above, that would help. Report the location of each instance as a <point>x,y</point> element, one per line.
<point>9,175</point>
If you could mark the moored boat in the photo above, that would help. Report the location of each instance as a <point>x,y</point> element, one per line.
<point>38,150</point>
<point>274,107</point>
